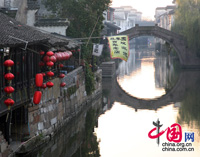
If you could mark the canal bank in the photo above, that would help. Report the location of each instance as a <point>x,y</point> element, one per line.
<point>58,107</point>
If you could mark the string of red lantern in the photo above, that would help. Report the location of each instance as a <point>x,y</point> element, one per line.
<point>9,89</point>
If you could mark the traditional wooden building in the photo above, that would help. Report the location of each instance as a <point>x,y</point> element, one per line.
<point>23,44</point>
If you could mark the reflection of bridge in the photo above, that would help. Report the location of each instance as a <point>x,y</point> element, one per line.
<point>187,80</point>
<point>187,58</point>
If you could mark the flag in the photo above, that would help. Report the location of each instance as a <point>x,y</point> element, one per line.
<point>97,49</point>
<point>119,47</point>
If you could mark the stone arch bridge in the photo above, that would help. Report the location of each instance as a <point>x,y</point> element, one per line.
<point>188,59</point>
<point>187,80</point>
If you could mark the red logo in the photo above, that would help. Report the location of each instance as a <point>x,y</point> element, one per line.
<point>174,132</point>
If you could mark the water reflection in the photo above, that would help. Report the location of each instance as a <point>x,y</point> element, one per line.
<point>124,126</point>
<point>146,75</point>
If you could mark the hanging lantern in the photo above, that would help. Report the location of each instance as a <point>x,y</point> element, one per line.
<point>41,64</point>
<point>78,50</point>
<point>9,90</point>
<point>43,74</point>
<point>44,86</point>
<point>46,59</point>
<point>37,97</point>
<point>49,53</point>
<point>53,59</point>
<point>61,75</point>
<point>9,76</point>
<point>50,64</point>
<point>42,53</point>
<point>8,63</point>
<point>63,84</point>
<point>60,65</point>
<point>72,50</point>
<point>50,74</point>
<point>67,55</point>
<point>39,80</point>
<point>49,84</point>
<point>70,53</point>
<point>9,102</point>
<point>57,55</point>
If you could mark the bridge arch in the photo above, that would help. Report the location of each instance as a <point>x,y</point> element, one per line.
<point>188,59</point>
<point>187,80</point>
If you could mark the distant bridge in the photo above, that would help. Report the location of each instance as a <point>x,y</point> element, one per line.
<point>187,80</point>
<point>188,59</point>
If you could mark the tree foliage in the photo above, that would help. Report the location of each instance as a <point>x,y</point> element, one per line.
<point>86,17</point>
<point>187,22</point>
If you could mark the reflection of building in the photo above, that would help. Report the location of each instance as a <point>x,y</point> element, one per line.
<point>126,17</point>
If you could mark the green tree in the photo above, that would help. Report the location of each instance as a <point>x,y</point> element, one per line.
<point>86,18</point>
<point>187,22</point>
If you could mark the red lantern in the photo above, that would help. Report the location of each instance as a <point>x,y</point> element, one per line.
<point>9,89</point>
<point>70,53</point>
<point>50,53</point>
<point>53,59</point>
<point>50,64</point>
<point>50,84</point>
<point>41,53</point>
<point>46,59</point>
<point>37,97</point>
<point>41,64</point>
<point>62,56</point>
<point>9,76</point>
<point>44,86</point>
<point>50,74</point>
<point>67,55</point>
<point>72,50</point>
<point>9,102</point>
<point>61,75</point>
<point>78,50</point>
<point>57,55</point>
<point>43,74</point>
<point>8,63</point>
<point>60,65</point>
<point>63,84</point>
<point>39,80</point>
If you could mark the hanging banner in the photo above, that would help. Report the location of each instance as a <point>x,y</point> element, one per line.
<point>119,47</point>
<point>97,49</point>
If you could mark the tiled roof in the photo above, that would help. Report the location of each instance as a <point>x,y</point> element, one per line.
<point>13,33</point>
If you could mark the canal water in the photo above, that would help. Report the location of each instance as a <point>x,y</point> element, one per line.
<point>153,88</point>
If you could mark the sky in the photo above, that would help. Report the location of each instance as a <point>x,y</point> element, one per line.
<point>147,7</point>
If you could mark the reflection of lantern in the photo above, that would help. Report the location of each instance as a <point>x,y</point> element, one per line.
<point>39,80</point>
<point>61,75</point>
<point>9,102</point>
<point>50,64</point>
<point>8,63</point>
<point>9,76</point>
<point>37,97</point>
<point>44,86</point>
<point>9,89</point>
<point>50,74</point>
<point>49,84</point>
<point>63,84</point>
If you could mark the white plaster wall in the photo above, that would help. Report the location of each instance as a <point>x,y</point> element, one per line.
<point>1,3</point>
<point>31,17</point>
<point>55,29</point>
